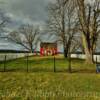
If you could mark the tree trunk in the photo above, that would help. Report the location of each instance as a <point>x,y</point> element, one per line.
<point>31,47</point>
<point>89,58</point>
<point>87,50</point>
<point>65,52</point>
<point>69,59</point>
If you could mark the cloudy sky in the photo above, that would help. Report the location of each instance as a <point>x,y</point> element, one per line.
<point>23,11</point>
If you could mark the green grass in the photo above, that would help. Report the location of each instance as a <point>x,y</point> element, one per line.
<point>46,64</point>
<point>41,83</point>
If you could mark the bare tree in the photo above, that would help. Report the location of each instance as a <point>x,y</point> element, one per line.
<point>27,36</point>
<point>62,22</point>
<point>89,17</point>
<point>4,20</point>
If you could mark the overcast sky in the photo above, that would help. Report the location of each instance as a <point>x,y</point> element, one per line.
<point>26,11</point>
<point>23,11</point>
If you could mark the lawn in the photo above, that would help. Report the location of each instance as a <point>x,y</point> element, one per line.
<point>46,64</point>
<point>42,83</point>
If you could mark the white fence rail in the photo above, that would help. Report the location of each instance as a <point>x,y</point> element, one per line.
<point>82,56</point>
<point>11,56</point>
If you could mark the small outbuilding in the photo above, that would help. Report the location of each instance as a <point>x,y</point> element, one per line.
<point>47,49</point>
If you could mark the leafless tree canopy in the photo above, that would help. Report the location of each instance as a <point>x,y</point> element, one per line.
<point>89,17</point>
<point>27,36</point>
<point>63,22</point>
<point>68,17</point>
<point>4,20</point>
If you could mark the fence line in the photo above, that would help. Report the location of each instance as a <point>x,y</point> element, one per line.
<point>11,56</point>
<point>26,56</point>
<point>82,56</point>
<point>5,57</point>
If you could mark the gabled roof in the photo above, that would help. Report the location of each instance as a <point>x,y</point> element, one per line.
<point>48,44</point>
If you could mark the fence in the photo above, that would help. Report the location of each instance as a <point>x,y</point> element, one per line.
<point>26,62</point>
<point>82,56</point>
<point>29,62</point>
<point>12,56</point>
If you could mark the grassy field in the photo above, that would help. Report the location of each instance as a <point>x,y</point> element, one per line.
<point>46,64</point>
<point>41,83</point>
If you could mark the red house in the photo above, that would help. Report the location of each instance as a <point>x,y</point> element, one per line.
<point>47,49</point>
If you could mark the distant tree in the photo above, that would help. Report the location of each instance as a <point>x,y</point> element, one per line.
<point>27,36</point>
<point>63,22</point>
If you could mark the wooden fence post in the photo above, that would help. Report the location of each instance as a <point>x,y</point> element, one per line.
<point>70,63</point>
<point>27,62</point>
<point>5,63</point>
<point>54,64</point>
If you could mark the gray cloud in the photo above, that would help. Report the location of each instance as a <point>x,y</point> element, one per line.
<point>27,9</point>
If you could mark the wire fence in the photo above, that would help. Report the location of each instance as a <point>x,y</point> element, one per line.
<point>31,63</point>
